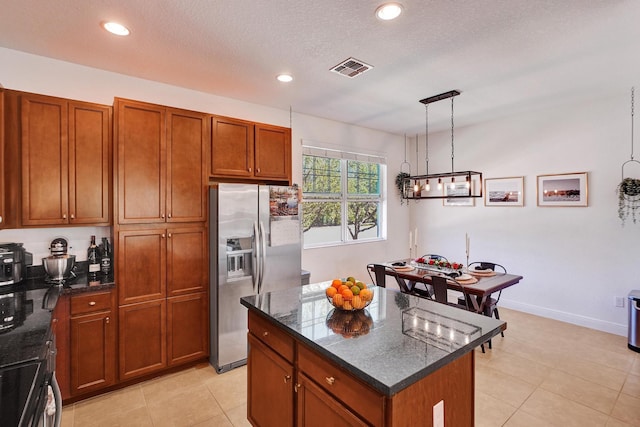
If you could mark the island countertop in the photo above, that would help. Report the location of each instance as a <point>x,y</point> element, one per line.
<point>406,339</point>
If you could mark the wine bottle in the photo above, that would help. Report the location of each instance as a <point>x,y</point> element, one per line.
<point>93,259</point>
<point>105,260</point>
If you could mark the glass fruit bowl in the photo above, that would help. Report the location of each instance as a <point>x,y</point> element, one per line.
<point>348,300</point>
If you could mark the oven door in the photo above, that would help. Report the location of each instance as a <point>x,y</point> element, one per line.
<point>20,392</point>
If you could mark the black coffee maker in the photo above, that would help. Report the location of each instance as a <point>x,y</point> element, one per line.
<point>13,261</point>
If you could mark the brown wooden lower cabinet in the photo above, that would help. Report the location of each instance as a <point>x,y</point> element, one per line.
<point>142,332</point>
<point>93,351</point>
<point>187,328</point>
<point>323,393</point>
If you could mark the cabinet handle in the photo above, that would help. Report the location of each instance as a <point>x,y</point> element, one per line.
<point>297,387</point>
<point>287,378</point>
<point>64,216</point>
<point>106,319</point>
<point>169,216</point>
<point>258,170</point>
<point>169,235</point>
<point>249,169</point>
<point>330,380</point>
<point>265,333</point>
<point>0,219</point>
<point>163,235</point>
<point>73,216</point>
<point>162,216</point>
<point>92,303</point>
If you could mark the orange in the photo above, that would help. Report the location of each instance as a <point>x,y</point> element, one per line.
<point>342,288</point>
<point>331,291</point>
<point>336,283</point>
<point>347,294</point>
<point>357,302</point>
<point>366,294</point>
<point>338,300</point>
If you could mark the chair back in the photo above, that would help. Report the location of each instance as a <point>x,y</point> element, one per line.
<point>381,271</point>
<point>442,284</point>
<point>485,265</point>
<point>379,276</point>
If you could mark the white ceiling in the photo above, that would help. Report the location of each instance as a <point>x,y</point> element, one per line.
<point>505,56</point>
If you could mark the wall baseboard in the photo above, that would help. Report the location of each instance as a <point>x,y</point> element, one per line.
<point>588,322</point>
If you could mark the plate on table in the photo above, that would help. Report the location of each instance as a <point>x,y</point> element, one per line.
<point>403,268</point>
<point>464,276</point>
<point>482,273</point>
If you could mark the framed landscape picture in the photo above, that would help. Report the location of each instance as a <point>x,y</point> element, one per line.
<point>459,189</point>
<point>567,189</point>
<point>504,191</point>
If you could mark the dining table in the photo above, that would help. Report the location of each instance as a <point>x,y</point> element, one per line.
<point>484,285</point>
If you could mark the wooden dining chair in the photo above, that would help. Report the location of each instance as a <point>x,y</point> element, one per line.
<point>380,273</point>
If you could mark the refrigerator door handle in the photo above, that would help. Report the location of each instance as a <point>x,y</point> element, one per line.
<point>263,251</point>
<point>255,270</point>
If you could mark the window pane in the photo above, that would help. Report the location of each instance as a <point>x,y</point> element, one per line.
<point>321,222</point>
<point>363,220</point>
<point>320,175</point>
<point>363,178</point>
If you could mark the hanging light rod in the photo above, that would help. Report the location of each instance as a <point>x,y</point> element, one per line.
<point>460,183</point>
<point>445,95</point>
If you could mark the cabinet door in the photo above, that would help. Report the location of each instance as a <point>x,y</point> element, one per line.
<point>316,407</point>
<point>93,346</point>
<point>187,262</point>
<point>231,147</point>
<point>44,160</point>
<point>60,327</point>
<point>187,328</point>
<point>89,163</point>
<point>270,382</point>
<point>141,264</point>
<point>273,152</point>
<point>188,139</point>
<point>141,162</point>
<point>141,338</point>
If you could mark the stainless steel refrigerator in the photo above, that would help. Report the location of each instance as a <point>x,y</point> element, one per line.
<point>255,247</point>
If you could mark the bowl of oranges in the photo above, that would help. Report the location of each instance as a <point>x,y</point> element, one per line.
<point>349,294</point>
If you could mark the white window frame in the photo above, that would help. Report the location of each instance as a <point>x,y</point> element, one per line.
<point>344,198</point>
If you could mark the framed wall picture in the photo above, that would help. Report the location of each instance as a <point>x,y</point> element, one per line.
<point>458,189</point>
<point>504,191</point>
<point>566,189</point>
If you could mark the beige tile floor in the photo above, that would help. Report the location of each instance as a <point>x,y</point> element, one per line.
<point>542,373</point>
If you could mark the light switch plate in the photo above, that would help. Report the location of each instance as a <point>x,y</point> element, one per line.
<point>438,414</point>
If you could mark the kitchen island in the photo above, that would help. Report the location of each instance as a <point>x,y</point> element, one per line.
<point>404,361</point>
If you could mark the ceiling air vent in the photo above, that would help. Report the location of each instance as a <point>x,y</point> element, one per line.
<point>351,67</point>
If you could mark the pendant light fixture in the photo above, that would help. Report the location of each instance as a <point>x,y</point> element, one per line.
<point>449,179</point>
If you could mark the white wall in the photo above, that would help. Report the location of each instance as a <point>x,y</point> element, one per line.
<point>22,71</point>
<point>574,260</point>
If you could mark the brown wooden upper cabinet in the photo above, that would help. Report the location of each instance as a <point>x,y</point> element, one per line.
<point>161,162</point>
<point>66,161</point>
<point>3,214</point>
<point>245,150</point>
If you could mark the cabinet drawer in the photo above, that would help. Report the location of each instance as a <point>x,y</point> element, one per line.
<point>358,396</point>
<point>90,302</point>
<point>271,336</point>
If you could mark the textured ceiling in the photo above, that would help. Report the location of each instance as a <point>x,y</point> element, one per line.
<point>505,56</point>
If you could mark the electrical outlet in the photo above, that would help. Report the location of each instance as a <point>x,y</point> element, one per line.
<point>438,414</point>
<point>619,301</point>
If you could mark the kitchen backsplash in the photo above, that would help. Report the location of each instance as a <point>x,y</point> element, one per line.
<point>37,240</point>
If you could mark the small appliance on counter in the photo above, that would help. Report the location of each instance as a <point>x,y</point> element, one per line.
<point>13,261</point>
<point>59,266</point>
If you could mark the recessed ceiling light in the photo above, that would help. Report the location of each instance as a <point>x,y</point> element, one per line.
<point>389,11</point>
<point>285,78</point>
<point>115,28</point>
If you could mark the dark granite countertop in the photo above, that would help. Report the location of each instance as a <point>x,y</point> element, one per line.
<point>406,338</point>
<point>25,310</point>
